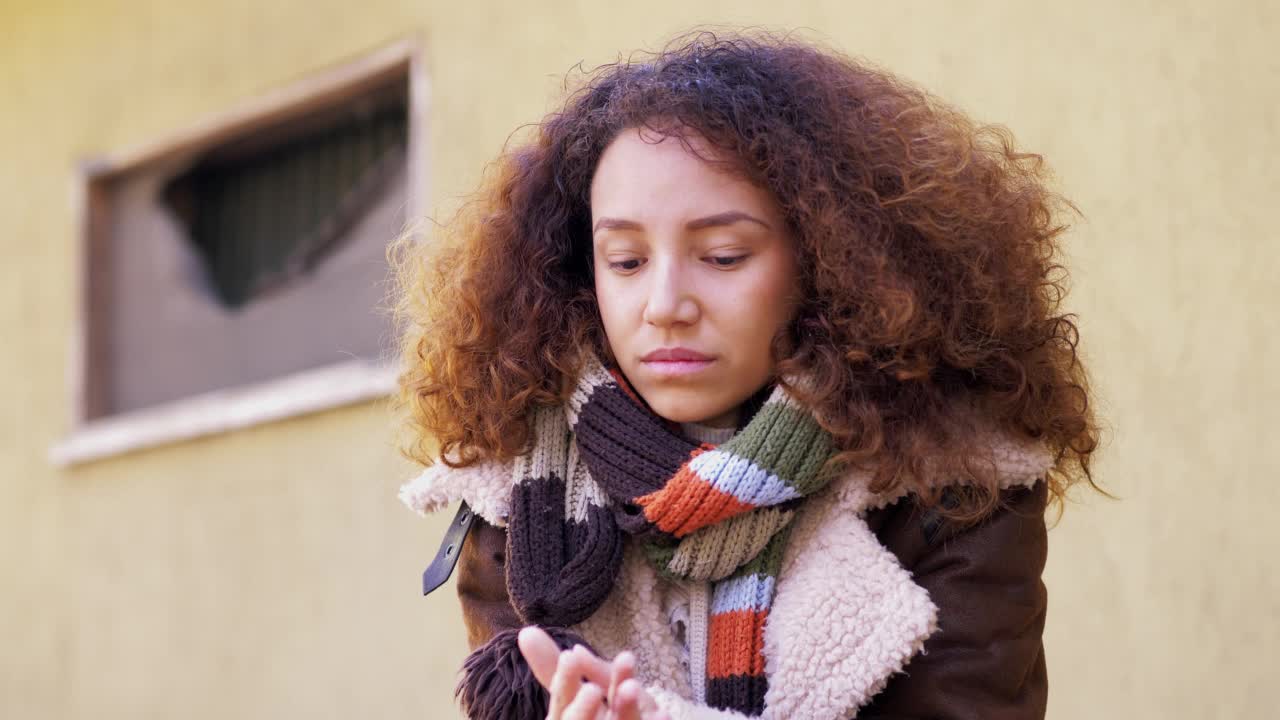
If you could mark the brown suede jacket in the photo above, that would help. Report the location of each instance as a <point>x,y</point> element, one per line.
<point>986,662</point>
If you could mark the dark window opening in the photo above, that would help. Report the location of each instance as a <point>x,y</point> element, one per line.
<point>263,211</point>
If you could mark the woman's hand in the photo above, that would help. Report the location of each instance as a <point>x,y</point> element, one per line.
<point>583,686</point>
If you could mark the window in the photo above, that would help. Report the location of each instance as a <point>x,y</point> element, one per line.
<point>237,273</point>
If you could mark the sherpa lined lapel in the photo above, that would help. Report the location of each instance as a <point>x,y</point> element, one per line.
<point>874,617</point>
<point>847,616</point>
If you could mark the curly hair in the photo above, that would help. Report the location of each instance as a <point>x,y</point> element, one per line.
<point>928,248</point>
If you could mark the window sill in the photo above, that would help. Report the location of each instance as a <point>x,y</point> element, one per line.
<point>225,410</point>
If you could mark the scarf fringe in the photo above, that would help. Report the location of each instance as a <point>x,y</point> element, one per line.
<point>498,684</point>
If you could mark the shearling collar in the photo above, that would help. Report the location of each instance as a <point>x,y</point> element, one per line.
<point>874,616</point>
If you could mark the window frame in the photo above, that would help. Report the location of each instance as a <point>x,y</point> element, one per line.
<point>93,436</point>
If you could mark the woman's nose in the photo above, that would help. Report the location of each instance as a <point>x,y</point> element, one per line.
<point>669,300</point>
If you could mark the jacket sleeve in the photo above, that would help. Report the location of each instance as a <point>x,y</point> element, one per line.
<point>482,586</point>
<point>986,660</point>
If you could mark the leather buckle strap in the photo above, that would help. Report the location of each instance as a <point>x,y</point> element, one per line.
<point>450,548</point>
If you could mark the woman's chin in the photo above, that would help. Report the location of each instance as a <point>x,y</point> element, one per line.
<point>681,410</point>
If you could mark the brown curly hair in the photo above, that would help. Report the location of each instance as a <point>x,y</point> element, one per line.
<point>928,249</point>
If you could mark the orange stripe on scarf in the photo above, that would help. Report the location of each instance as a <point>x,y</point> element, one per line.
<point>688,502</point>
<point>735,644</point>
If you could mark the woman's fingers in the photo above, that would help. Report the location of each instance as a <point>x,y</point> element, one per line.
<point>540,652</point>
<point>565,684</point>
<point>625,705</point>
<point>635,703</point>
<point>588,705</point>
<point>568,674</point>
<point>622,668</point>
<point>596,670</point>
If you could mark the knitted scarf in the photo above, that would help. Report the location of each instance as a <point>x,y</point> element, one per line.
<point>603,468</point>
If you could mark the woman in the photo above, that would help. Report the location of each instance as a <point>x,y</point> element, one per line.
<point>750,365</point>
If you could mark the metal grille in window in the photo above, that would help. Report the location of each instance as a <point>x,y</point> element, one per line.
<point>261,216</point>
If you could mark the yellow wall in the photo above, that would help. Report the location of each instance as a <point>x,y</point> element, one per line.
<point>271,572</point>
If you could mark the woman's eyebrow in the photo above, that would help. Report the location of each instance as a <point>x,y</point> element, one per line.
<point>728,217</point>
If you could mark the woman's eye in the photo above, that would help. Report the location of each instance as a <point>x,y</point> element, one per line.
<point>726,260</point>
<point>627,265</point>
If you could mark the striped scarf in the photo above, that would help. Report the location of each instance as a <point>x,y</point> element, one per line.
<point>606,467</point>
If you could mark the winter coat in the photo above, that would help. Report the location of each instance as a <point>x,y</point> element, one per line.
<point>883,610</point>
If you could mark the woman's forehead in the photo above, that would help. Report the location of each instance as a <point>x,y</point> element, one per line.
<point>643,174</point>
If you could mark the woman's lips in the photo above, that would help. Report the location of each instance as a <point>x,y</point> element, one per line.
<point>673,368</point>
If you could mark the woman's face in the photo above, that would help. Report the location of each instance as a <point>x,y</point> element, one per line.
<point>694,274</point>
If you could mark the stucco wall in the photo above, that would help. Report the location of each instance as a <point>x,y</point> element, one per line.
<point>271,573</point>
